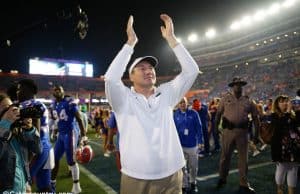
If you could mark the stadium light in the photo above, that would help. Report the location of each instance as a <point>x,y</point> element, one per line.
<point>235,26</point>
<point>246,21</point>
<point>274,9</point>
<point>259,15</point>
<point>288,3</point>
<point>211,33</point>
<point>193,37</point>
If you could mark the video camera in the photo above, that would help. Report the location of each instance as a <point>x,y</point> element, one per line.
<point>35,111</point>
<point>295,102</point>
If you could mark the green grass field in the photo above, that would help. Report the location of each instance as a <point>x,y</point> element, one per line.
<point>64,181</point>
<point>101,175</point>
<point>261,172</point>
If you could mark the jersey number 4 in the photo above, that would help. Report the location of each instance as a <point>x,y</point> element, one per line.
<point>63,115</point>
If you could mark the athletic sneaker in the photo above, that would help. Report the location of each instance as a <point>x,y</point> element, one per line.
<point>53,186</point>
<point>263,147</point>
<point>255,153</point>
<point>201,155</point>
<point>76,188</point>
<point>106,154</point>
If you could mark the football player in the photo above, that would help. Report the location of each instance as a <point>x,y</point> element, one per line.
<point>67,111</point>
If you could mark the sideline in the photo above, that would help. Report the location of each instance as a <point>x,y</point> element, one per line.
<point>95,179</point>
<point>109,190</point>
<point>215,175</point>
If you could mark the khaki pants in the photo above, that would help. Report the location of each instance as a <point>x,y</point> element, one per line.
<point>231,139</point>
<point>169,185</point>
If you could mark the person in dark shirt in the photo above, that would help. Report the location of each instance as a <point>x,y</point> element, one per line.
<point>285,144</point>
<point>204,115</point>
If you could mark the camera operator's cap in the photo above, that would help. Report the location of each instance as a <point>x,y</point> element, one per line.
<point>237,80</point>
<point>152,60</point>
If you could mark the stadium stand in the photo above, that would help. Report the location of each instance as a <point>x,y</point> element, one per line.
<point>267,57</point>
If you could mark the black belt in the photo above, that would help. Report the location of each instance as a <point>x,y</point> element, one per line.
<point>226,124</point>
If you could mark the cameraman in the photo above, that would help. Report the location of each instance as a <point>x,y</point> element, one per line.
<point>41,165</point>
<point>15,143</point>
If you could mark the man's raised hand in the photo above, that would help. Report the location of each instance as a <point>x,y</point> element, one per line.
<point>167,30</point>
<point>132,38</point>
